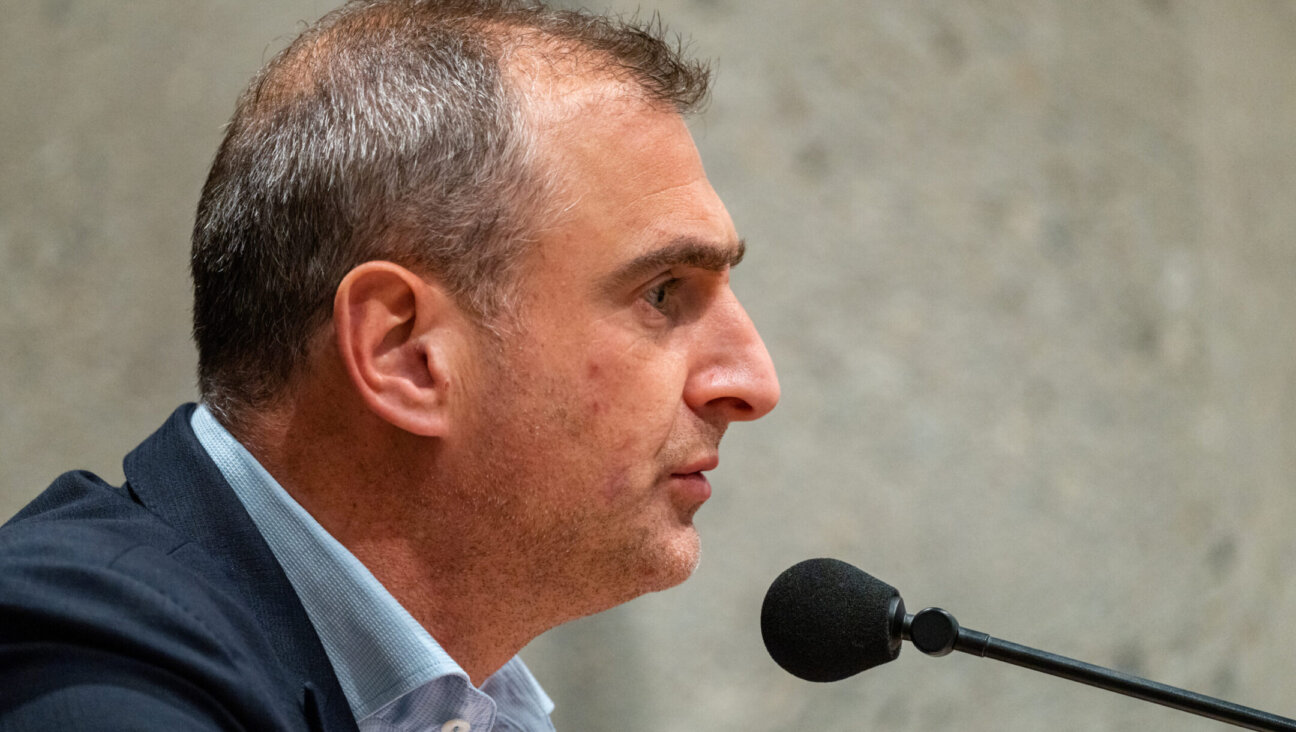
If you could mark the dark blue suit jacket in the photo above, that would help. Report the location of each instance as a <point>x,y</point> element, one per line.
<point>154,606</point>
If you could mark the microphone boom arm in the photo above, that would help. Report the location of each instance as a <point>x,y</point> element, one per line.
<point>935,632</point>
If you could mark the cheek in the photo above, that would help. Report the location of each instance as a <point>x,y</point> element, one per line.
<point>618,398</point>
<point>595,395</point>
<point>616,484</point>
<point>631,409</point>
<point>618,436</point>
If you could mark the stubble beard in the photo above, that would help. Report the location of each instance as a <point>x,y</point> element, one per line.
<point>559,530</point>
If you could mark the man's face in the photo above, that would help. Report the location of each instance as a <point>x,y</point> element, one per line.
<point>633,355</point>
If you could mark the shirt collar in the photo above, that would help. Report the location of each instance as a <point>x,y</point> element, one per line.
<point>379,652</point>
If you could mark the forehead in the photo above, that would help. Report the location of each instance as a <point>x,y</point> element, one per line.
<point>628,182</point>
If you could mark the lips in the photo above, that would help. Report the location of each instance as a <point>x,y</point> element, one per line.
<point>689,484</point>
<point>698,466</point>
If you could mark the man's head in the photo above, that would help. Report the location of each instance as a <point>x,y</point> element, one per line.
<point>474,248</point>
<point>398,130</point>
<point>635,358</point>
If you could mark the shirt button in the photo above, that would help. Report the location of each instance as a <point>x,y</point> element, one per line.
<point>456,725</point>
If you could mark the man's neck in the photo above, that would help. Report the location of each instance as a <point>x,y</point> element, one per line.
<point>439,564</point>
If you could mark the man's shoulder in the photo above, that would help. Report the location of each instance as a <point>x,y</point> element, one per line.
<point>80,502</point>
<point>100,598</point>
<point>80,527</point>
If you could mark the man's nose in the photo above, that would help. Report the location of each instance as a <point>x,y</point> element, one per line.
<point>733,377</point>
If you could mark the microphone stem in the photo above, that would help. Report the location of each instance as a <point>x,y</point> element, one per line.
<point>980,644</point>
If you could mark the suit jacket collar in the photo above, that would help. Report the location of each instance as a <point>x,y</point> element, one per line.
<point>173,477</point>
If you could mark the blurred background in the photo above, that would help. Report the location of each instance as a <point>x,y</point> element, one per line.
<point>1026,269</point>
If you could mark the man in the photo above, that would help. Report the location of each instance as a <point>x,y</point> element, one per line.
<point>467,347</point>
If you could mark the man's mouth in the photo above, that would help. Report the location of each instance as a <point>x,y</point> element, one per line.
<point>698,466</point>
<point>690,485</point>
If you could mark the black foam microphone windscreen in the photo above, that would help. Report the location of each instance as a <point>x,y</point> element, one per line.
<point>825,620</point>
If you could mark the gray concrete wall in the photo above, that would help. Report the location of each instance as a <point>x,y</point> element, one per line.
<point>1025,267</point>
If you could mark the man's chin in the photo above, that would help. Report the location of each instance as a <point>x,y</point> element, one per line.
<point>676,561</point>
<point>641,571</point>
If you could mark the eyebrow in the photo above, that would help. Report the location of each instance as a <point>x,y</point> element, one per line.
<point>683,252</point>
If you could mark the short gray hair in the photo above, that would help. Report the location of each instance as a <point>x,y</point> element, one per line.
<point>389,129</point>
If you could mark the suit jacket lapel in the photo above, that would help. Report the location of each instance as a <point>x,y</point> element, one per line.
<point>173,477</point>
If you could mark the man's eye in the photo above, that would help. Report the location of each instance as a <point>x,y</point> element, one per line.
<point>659,295</point>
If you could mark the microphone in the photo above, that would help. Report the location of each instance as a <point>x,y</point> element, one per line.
<point>826,620</point>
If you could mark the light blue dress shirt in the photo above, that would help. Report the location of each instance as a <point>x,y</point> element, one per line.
<point>394,674</point>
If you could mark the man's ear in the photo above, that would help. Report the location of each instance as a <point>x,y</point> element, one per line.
<point>398,336</point>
